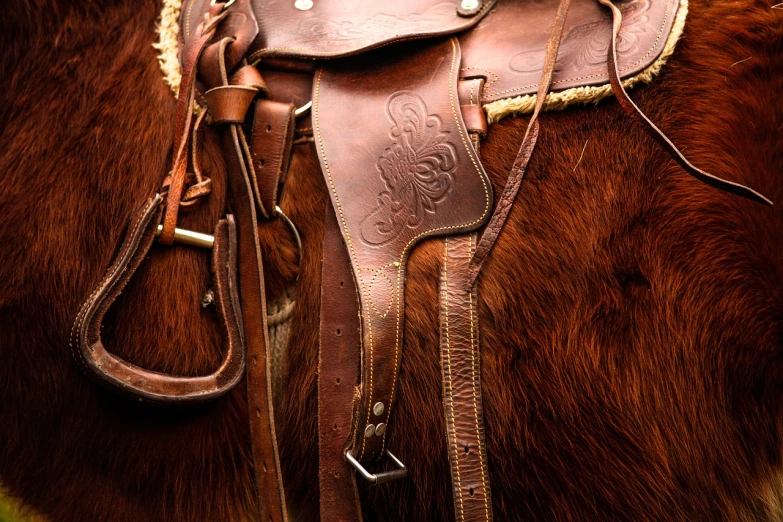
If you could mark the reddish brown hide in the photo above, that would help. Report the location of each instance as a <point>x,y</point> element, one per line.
<point>632,319</point>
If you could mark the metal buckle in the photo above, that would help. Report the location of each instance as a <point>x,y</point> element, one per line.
<point>382,477</point>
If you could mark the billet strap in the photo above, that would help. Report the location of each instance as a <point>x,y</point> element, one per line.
<point>503,207</point>
<point>86,343</point>
<point>399,167</point>
<point>339,361</point>
<point>253,300</point>
<point>461,371</point>
<point>634,111</point>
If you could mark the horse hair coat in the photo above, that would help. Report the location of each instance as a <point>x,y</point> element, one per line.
<point>631,318</point>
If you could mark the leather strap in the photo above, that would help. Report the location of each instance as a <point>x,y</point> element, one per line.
<point>470,102</point>
<point>86,343</point>
<point>183,116</point>
<point>634,111</point>
<point>253,300</point>
<point>499,216</point>
<point>339,358</point>
<point>270,147</point>
<point>215,68</point>
<point>460,366</point>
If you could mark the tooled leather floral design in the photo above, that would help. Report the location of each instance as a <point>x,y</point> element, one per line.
<point>588,43</point>
<point>377,26</point>
<point>417,170</point>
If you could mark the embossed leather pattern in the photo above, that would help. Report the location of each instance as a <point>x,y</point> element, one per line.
<point>507,47</point>
<point>400,167</point>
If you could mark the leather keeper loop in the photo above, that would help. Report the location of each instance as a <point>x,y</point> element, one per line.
<point>249,76</point>
<point>469,92</point>
<point>475,119</point>
<point>229,104</point>
<point>270,148</point>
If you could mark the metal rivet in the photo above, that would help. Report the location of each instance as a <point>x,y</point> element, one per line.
<point>378,408</point>
<point>469,5</point>
<point>304,5</point>
<point>380,429</point>
<point>369,431</point>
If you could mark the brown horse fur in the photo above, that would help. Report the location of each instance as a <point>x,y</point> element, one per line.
<point>631,318</point>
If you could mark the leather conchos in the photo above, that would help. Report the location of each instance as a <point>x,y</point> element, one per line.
<point>399,166</point>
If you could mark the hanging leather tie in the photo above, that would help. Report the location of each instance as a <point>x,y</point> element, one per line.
<point>636,113</point>
<point>503,207</point>
<point>183,115</point>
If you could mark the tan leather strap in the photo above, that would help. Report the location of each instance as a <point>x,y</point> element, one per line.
<point>339,358</point>
<point>499,216</point>
<point>183,116</point>
<point>86,343</point>
<point>461,370</point>
<point>633,110</point>
<point>400,168</point>
<point>270,147</point>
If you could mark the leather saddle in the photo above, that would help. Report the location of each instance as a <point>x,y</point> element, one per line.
<point>391,93</point>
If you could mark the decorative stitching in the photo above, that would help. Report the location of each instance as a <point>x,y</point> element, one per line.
<point>395,40</point>
<point>450,395</point>
<point>82,315</point>
<point>349,241</point>
<point>468,149</point>
<point>473,350</point>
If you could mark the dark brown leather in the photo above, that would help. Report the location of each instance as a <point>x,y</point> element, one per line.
<point>400,168</point>
<point>229,104</point>
<point>291,85</point>
<point>253,301</point>
<point>461,370</point>
<point>503,207</point>
<point>507,47</point>
<point>633,110</point>
<point>90,353</point>
<point>339,357</point>
<point>270,147</point>
<point>217,64</point>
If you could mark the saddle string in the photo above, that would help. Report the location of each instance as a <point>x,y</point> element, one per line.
<point>183,118</point>
<point>503,207</point>
<point>634,111</point>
